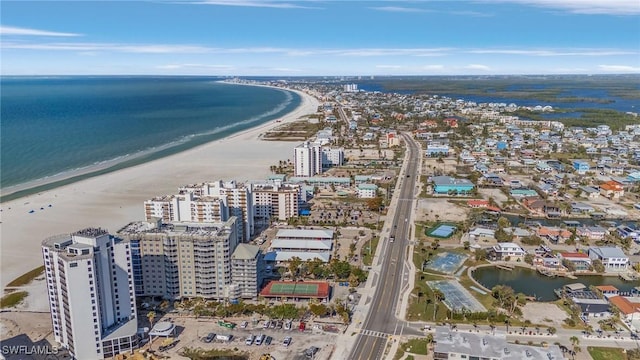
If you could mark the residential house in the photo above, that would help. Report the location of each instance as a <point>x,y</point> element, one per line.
<point>542,166</point>
<point>522,193</point>
<point>547,261</point>
<point>613,258</point>
<point>595,232</point>
<point>590,192</point>
<point>626,231</point>
<point>608,290</point>
<point>553,234</point>
<point>507,252</point>
<point>612,190</point>
<point>581,208</point>
<point>581,166</point>
<point>593,308</point>
<point>629,311</point>
<point>580,261</point>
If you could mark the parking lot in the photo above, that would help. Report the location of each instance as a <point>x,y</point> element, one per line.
<point>193,332</point>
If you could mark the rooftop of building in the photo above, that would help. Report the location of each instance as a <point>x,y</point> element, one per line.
<point>448,180</point>
<point>490,346</point>
<point>608,252</point>
<point>179,228</point>
<point>245,252</point>
<point>318,234</point>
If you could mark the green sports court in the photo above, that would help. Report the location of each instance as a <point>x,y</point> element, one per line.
<point>296,289</point>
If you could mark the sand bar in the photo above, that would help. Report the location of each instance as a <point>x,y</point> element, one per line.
<point>113,200</point>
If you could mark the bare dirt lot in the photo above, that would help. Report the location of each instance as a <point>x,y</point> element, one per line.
<point>544,314</point>
<point>440,210</point>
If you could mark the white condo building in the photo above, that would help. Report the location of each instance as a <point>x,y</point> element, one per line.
<point>279,202</point>
<point>307,160</point>
<point>332,157</point>
<point>235,196</point>
<point>91,293</point>
<point>186,207</point>
<point>179,260</point>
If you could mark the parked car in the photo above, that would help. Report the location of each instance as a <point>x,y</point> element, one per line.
<point>244,324</point>
<point>209,337</point>
<point>222,337</point>
<point>267,340</point>
<point>272,324</point>
<point>287,325</point>
<point>310,352</point>
<point>250,340</point>
<point>259,339</point>
<point>302,326</point>
<point>287,341</point>
<point>266,324</point>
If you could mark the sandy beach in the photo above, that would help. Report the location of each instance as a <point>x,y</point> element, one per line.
<point>113,200</point>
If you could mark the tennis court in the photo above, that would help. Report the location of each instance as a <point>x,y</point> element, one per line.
<point>446,262</point>
<point>291,289</point>
<point>456,297</point>
<point>442,231</point>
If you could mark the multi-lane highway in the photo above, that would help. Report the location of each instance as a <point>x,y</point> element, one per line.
<point>381,321</point>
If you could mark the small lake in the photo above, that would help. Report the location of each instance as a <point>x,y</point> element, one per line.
<point>529,282</point>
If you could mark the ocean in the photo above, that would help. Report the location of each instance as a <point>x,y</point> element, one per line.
<point>56,127</point>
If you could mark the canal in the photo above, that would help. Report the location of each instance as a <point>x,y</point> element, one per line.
<point>530,283</point>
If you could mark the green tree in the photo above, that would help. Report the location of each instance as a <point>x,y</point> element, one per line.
<point>480,254</point>
<point>503,222</point>
<point>597,266</point>
<point>294,265</point>
<point>319,310</point>
<point>439,298</point>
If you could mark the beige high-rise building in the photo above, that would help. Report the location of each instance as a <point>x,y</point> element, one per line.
<point>184,259</point>
<point>247,271</point>
<point>278,202</point>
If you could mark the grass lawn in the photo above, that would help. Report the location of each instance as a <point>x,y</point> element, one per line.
<point>367,254</point>
<point>12,299</point>
<point>416,346</point>
<point>26,278</point>
<point>605,353</point>
<point>419,308</point>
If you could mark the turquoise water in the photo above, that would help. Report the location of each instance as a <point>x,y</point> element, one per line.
<point>54,126</point>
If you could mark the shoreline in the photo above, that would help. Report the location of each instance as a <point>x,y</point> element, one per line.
<point>114,199</point>
<point>66,177</point>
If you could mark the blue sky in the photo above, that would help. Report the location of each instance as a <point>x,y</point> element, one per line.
<point>291,38</point>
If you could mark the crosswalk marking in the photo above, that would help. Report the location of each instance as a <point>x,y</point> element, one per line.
<point>374,333</point>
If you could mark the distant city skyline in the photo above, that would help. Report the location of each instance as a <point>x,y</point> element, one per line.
<point>320,38</point>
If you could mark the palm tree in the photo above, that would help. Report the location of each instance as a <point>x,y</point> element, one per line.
<point>439,297</point>
<point>151,315</point>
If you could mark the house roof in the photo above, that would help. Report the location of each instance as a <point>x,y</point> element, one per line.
<point>604,288</point>
<point>574,255</point>
<point>608,252</point>
<point>624,305</point>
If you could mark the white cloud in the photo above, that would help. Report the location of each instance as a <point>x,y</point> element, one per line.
<point>543,52</point>
<point>620,68</point>
<point>127,48</point>
<point>398,9</point>
<point>610,7</point>
<point>477,67</point>
<point>10,30</point>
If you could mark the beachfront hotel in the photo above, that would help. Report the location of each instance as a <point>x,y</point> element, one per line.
<point>185,260</point>
<point>276,202</point>
<point>236,197</point>
<point>186,207</point>
<point>307,159</point>
<point>247,269</point>
<point>91,294</point>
